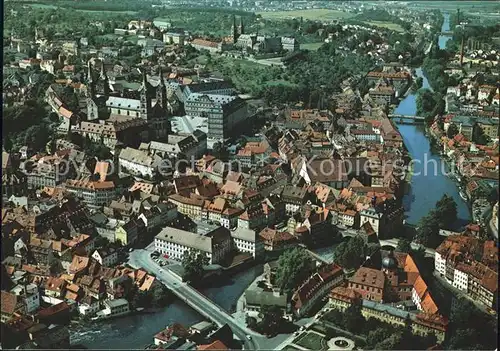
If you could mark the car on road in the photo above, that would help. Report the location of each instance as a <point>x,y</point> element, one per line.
<point>131,249</point>
<point>249,337</point>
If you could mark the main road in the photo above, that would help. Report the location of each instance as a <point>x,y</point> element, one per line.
<point>204,306</point>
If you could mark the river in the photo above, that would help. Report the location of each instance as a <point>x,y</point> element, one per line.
<point>429,183</point>
<point>443,39</point>
<point>134,332</point>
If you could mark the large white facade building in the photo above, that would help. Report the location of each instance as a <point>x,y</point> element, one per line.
<point>247,240</point>
<point>175,242</point>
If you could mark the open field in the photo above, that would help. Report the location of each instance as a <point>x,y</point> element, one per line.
<point>311,46</point>
<point>45,6</point>
<point>313,14</point>
<point>389,25</point>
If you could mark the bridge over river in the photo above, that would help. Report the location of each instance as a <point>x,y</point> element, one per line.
<point>405,119</point>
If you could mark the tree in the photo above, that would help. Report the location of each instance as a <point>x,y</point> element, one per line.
<point>452,131</point>
<point>404,245</point>
<point>160,295</point>
<point>193,262</point>
<point>272,319</point>
<point>479,137</point>
<point>446,211</point>
<point>389,343</point>
<point>219,150</point>
<point>462,332</point>
<point>350,254</point>
<point>353,320</point>
<point>140,298</point>
<point>7,143</point>
<point>428,230</point>
<point>294,266</point>
<point>377,336</point>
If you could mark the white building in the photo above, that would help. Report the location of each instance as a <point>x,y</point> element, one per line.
<point>28,295</point>
<point>347,218</point>
<point>174,38</point>
<point>247,240</point>
<point>123,106</point>
<point>174,242</point>
<point>88,306</point>
<point>371,216</point>
<point>185,145</point>
<point>93,193</point>
<point>106,258</point>
<point>440,264</point>
<point>159,215</point>
<point>114,308</point>
<point>460,279</point>
<point>137,162</point>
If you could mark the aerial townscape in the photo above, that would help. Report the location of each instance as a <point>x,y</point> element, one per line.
<point>250,174</point>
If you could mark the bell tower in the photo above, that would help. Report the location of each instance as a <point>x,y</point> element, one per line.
<point>161,92</point>
<point>91,82</point>
<point>234,30</point>
<point>145,98</point>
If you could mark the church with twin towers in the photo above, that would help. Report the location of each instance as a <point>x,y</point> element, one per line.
<point>102,104</point>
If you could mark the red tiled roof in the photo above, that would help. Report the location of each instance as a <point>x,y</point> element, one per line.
<point>216,345</point>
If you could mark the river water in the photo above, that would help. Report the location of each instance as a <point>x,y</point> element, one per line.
<point>138,330</point>
<point>443,39</point>
<point>429,183</point>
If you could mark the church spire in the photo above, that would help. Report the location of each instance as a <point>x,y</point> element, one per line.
<point>234,30</point>
<point>91,82</point>
<point>241,29</point>
<point>89,72</point>
<point>162,83</point>
<point>145,99</point>
<point>161,92</point>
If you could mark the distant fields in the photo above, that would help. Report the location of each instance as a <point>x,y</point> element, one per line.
<point>45,6</point>
<point>312,14</point>
<point>311,46</point>
<point>389,25</point>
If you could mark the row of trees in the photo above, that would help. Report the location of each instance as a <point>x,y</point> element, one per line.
<point>430,104</point>
<point>444,216</point>
<point>470,329</point>
<point>193,262</point>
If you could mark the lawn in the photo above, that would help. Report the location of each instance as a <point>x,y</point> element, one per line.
<point>389,25</point>
<point>313,14</point>
<point>311,46</point>
<point>311,341</point>
<point>107,11</point>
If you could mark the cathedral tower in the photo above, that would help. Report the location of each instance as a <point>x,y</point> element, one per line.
<point>161,92</point>
<point>91,82</point>
<point>145,98</point>
<point>234,30</point>
<point>241,29</point>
